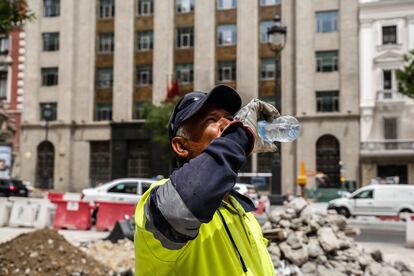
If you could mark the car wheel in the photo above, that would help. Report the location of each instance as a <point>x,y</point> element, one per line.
<point>343,211</point>
<point>404,214</point>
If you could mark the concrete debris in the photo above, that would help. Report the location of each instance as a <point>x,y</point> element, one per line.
<point>117,256</point>
<point>303,242</point>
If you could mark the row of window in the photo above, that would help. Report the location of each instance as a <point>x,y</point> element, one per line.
<point>326,61</point>
<point>51,8</point>
<point>103,111</point>
<point>226,36</point>
<point>326,21</point>
<point>184,72</point>
<point>326,101</point>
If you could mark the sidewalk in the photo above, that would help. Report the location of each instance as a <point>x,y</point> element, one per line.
<point>392,252</point>
<point>75,237</point>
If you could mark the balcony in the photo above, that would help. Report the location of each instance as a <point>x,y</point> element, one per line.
<point>388,148</point>
<point>389,96</point>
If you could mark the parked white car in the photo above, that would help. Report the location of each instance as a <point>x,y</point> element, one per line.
<point>377,200</point>
<point>131,190</point>
<point>123,190</point>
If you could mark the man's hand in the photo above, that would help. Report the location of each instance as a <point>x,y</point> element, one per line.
<point>249,115</point>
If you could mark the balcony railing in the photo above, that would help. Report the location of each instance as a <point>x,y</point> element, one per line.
<point>387,96</point>
<point>388,145</point>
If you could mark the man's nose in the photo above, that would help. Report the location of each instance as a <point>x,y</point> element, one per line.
<point>224,122</point>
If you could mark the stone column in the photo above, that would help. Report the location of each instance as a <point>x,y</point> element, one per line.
<point>84,76</point>
<point>247,50</point>
<point>164,31</point>
<point>31,63</point>
<point>348,57</point>
<point>288,77</point>
<point>204,45</point>
<point>123,60</point>
<point>67,48</point>
<point>367,73</point>
<point>32,78</point>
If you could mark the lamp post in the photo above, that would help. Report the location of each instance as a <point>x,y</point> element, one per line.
<point>276,35</point>
<point>47,116</point>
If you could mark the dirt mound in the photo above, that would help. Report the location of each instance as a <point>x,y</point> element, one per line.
<point>45,252</point>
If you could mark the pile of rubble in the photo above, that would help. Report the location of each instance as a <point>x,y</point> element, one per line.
<point>117,256</point>
<point>306,243</point>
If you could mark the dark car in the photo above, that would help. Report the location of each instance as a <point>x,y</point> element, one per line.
<point>12,187</point>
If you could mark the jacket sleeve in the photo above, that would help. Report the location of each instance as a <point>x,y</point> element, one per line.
<point>175,210</point>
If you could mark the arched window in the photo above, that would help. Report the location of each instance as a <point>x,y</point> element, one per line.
<point>45,165</point>
<point>327,161</point>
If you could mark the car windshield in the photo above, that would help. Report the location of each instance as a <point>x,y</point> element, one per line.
<point>367,194</point>
<point>124,188</point>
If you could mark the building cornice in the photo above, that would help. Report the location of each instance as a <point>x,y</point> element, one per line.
<point>385,3</point>
<point>61,124</point>
<point>330,117</point>
<point>74,124</point>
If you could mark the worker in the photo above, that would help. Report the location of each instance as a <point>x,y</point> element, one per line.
<point>194,223</point>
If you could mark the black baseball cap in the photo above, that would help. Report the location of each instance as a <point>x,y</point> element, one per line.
<point>192,102</point>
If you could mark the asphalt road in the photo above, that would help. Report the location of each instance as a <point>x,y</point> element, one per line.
<point>396,237</point>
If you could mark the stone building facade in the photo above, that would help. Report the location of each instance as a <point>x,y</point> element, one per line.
<point>387,135</point>
<point>320,87</point>
<point>91,64</point>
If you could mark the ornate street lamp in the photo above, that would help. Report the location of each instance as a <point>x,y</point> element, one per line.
<point>276,40</point>
<point>47,114</point>
<point>276,37</point>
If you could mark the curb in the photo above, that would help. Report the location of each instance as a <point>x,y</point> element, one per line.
<point>378,225</point>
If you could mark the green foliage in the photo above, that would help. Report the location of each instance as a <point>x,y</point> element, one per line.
<point>156,123</point>
<point>13,13</point>
<point>405,76</point>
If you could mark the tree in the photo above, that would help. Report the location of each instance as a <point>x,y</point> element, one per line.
<point>13,13</point>
<point>156,123</point>
<point>405,76</point>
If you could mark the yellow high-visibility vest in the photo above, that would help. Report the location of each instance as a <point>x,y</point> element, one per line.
<point>211,252</point>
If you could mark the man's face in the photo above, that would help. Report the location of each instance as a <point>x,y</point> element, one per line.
<point>207,125</point>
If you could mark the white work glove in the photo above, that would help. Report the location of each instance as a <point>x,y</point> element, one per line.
<point>250,113</point>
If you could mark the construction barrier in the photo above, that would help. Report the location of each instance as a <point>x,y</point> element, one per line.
<point>54,196</point>
<point>5,208</point>
<point>72,196</point>
<point>72,215</point>
<point>409,233</point>
<point>30,212</point>
<point>110,212</point>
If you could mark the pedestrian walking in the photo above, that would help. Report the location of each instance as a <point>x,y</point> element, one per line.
<point>194,223</point>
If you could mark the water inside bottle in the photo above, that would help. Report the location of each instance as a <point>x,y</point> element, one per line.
<point>282,132</point>
<point>282,129</point>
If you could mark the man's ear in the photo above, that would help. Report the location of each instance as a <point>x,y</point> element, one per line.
<point>179,145</point>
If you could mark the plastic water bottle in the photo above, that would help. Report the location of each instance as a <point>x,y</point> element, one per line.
<point>282,129</point>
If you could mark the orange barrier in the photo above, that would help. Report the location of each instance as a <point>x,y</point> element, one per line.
<point>72,215</point>
<point>110,212</point>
